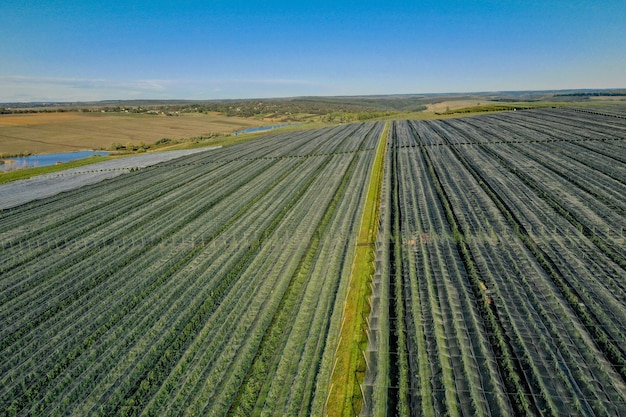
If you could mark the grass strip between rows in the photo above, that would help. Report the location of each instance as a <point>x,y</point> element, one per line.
<point>345,397</point>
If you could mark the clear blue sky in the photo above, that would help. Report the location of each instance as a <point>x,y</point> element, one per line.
<point>93,50</point>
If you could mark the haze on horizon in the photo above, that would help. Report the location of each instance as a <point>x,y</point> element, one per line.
<point>83,51</point>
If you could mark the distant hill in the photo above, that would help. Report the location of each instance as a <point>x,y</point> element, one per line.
<point>313,105</point>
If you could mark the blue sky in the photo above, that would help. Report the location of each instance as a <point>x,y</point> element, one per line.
<point>95,50</point>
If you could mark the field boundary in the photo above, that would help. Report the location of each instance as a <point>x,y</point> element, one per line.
<point>345,397</point>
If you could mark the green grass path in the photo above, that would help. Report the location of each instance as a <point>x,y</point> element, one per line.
<point>345,398</point>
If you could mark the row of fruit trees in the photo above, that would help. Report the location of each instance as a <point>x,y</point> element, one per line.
<point>209,284</point>
<point>214,284</point>
<point>501,284</point>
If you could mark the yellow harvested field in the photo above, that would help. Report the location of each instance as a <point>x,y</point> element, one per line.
<point>456,104</point>
<point>57,132</point>
<point>608,98</point>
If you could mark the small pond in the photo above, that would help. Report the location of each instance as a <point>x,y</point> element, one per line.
<point>46,159</point>
<point>259,129</point>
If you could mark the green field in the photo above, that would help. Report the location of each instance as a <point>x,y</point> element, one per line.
<point>465,267</point>
<point>502,277</point>
<point>195,286</point>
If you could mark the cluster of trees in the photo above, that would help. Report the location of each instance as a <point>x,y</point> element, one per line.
<point>594,94</point>
<point>13,155</point>
<point>143,147</point>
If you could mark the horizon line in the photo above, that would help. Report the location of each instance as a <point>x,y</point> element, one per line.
<point>450,93</point>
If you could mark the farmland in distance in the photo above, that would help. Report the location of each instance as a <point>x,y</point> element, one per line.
<point>214,284</point>
<point>52,132</point>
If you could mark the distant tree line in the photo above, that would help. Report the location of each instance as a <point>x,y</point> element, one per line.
<point>281,108</point>
<point>143,147</point>
<point>593,94</point>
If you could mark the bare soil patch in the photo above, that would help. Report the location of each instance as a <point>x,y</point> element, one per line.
<point>444,106</point>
